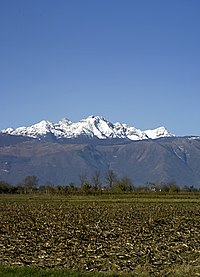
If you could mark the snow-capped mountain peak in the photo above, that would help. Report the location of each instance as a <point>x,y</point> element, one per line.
<point>64,121</point>
<point>34,131</point>
<point>92,126</point>
<point>158,133</point>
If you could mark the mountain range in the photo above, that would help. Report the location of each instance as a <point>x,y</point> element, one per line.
<point>60,152</point>
<point>91,127</point>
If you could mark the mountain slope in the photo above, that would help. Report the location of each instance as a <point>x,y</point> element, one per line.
<point>161,160</point>
<point>91,127</point>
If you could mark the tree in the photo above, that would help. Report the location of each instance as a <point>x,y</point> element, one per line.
<point>110,178</point>
<point>163,187</point>
<point>123,185</point>
<point>71,188</point>
<point>5,187</point>
<point>173,187</point>
<point>85,187</point>
<point>59,189</point>
<point>96,180</point>
<point>186,189</point>
<point>30,183</point>
<point>83,178</point>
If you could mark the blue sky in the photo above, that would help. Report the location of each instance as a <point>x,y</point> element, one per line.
<point>133,61</point>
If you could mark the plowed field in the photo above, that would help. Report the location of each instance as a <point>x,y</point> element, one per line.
<point>100,235</point>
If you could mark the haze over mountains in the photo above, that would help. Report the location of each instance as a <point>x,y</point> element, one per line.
<point>60,152</point>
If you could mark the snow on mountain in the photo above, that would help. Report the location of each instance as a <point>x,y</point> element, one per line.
<point>158,133</point>
<point>34,131</point>
<point>93,126</point>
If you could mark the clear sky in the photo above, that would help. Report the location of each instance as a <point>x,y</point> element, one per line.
<point>133,61</point>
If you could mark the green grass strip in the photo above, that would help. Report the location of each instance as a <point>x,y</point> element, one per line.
<point>23,271</point>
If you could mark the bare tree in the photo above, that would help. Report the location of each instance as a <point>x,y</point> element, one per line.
<point>30,183</point>
<point>110,178</point>
<point>83,178</point>
<point>96,182</point>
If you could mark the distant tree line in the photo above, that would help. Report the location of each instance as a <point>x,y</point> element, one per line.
<point>94,185</point>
